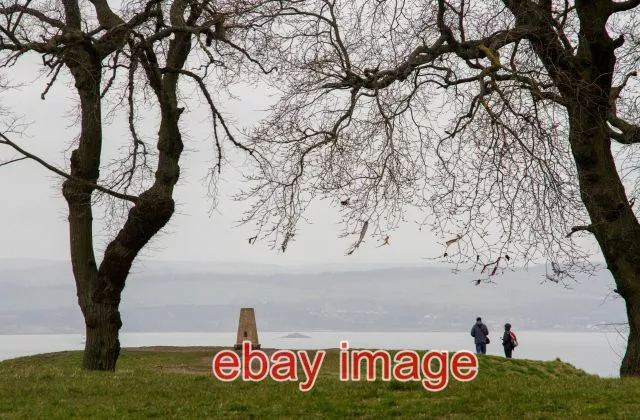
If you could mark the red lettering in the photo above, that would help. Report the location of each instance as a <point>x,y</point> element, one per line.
<point>344,361</point>
<point>311,370</point>
<point>248,356</point>
<point>226,365</point>
<point>436,380</point>
<point>407,367</point>
<point>370,367</point>
<point>433,370</point>
<point>284,366</point>
<point>467,361</point>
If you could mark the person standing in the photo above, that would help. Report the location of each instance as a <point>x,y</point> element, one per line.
<point>509,341</point>
<point>480,333</point>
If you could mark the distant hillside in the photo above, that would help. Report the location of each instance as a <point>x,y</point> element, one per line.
<point>38,296</point>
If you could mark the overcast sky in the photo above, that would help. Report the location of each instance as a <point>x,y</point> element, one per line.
<point>33,212</point>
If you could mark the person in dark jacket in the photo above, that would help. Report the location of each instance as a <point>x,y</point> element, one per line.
<point>479,332</point>
<point>509,341</point>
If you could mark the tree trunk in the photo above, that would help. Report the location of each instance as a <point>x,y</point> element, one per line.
<point>584,79</point>
<point>102,347</point>
<point>613,222</point>
<point>100,289</point>
<point>101,318</point>
<point>631,361</point>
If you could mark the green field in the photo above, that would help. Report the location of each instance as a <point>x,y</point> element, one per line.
<point>177,383</point>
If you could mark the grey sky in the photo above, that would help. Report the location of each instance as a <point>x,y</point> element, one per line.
<point>33,212</point>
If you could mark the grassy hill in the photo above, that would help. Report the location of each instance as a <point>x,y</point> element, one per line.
<point>177,383</point>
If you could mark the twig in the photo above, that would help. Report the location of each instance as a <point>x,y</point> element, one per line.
<point>5,140</point>
<point>356,245</point>
<point>575,229</point>
<point>13,161</point>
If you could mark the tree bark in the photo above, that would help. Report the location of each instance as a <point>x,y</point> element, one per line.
<point>102,346</point>
<point>102,320</point>
<point>612,220</point>
<point>162,55</point>
<point>100,289</point>
<point>631,361</point>
<point>584,79</point>
<point>614,224</point>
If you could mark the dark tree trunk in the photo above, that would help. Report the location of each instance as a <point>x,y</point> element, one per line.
<point>584,79</point>
<point>612,221</point>
<point>64,40</point>
<point>631,360</point>
<point>100,289</point>
<point>102,319</point>
<point>102,347</point>
<point>100,307</point>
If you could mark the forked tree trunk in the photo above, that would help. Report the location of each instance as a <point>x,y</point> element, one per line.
<point>100,295</point>
<point>100,289</point>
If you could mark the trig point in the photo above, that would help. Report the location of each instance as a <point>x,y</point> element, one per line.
<point>247,329</point>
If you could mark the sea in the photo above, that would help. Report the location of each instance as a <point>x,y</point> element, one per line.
<point>598,353</point>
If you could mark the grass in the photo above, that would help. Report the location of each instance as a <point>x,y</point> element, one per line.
<point>159,383</point>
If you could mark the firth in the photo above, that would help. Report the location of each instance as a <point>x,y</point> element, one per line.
<point>281,366</point>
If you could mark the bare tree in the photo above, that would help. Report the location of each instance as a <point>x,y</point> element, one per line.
<point>508,123</point>
<point>136,56</point>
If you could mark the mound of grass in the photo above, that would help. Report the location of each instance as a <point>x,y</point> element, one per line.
<point>178,383</point>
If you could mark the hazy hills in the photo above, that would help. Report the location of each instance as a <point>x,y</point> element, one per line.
<point>38,296</point>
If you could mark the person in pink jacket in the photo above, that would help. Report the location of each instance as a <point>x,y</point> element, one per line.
<point>509,340</point>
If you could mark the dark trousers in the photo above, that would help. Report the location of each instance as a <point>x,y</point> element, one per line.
<point>508,350</point>
<point>481,348</point>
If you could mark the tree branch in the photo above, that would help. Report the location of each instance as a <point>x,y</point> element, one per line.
<point>629,133</point>
<point>13,161</point>
<point>5,140</point>
<point>17,8</point>
<point>214,110</point>
<point>423,55</point>
<point>623,6</point>
<point>575,229</point>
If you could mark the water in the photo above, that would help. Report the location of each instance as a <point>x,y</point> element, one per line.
<point>595,352</point>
